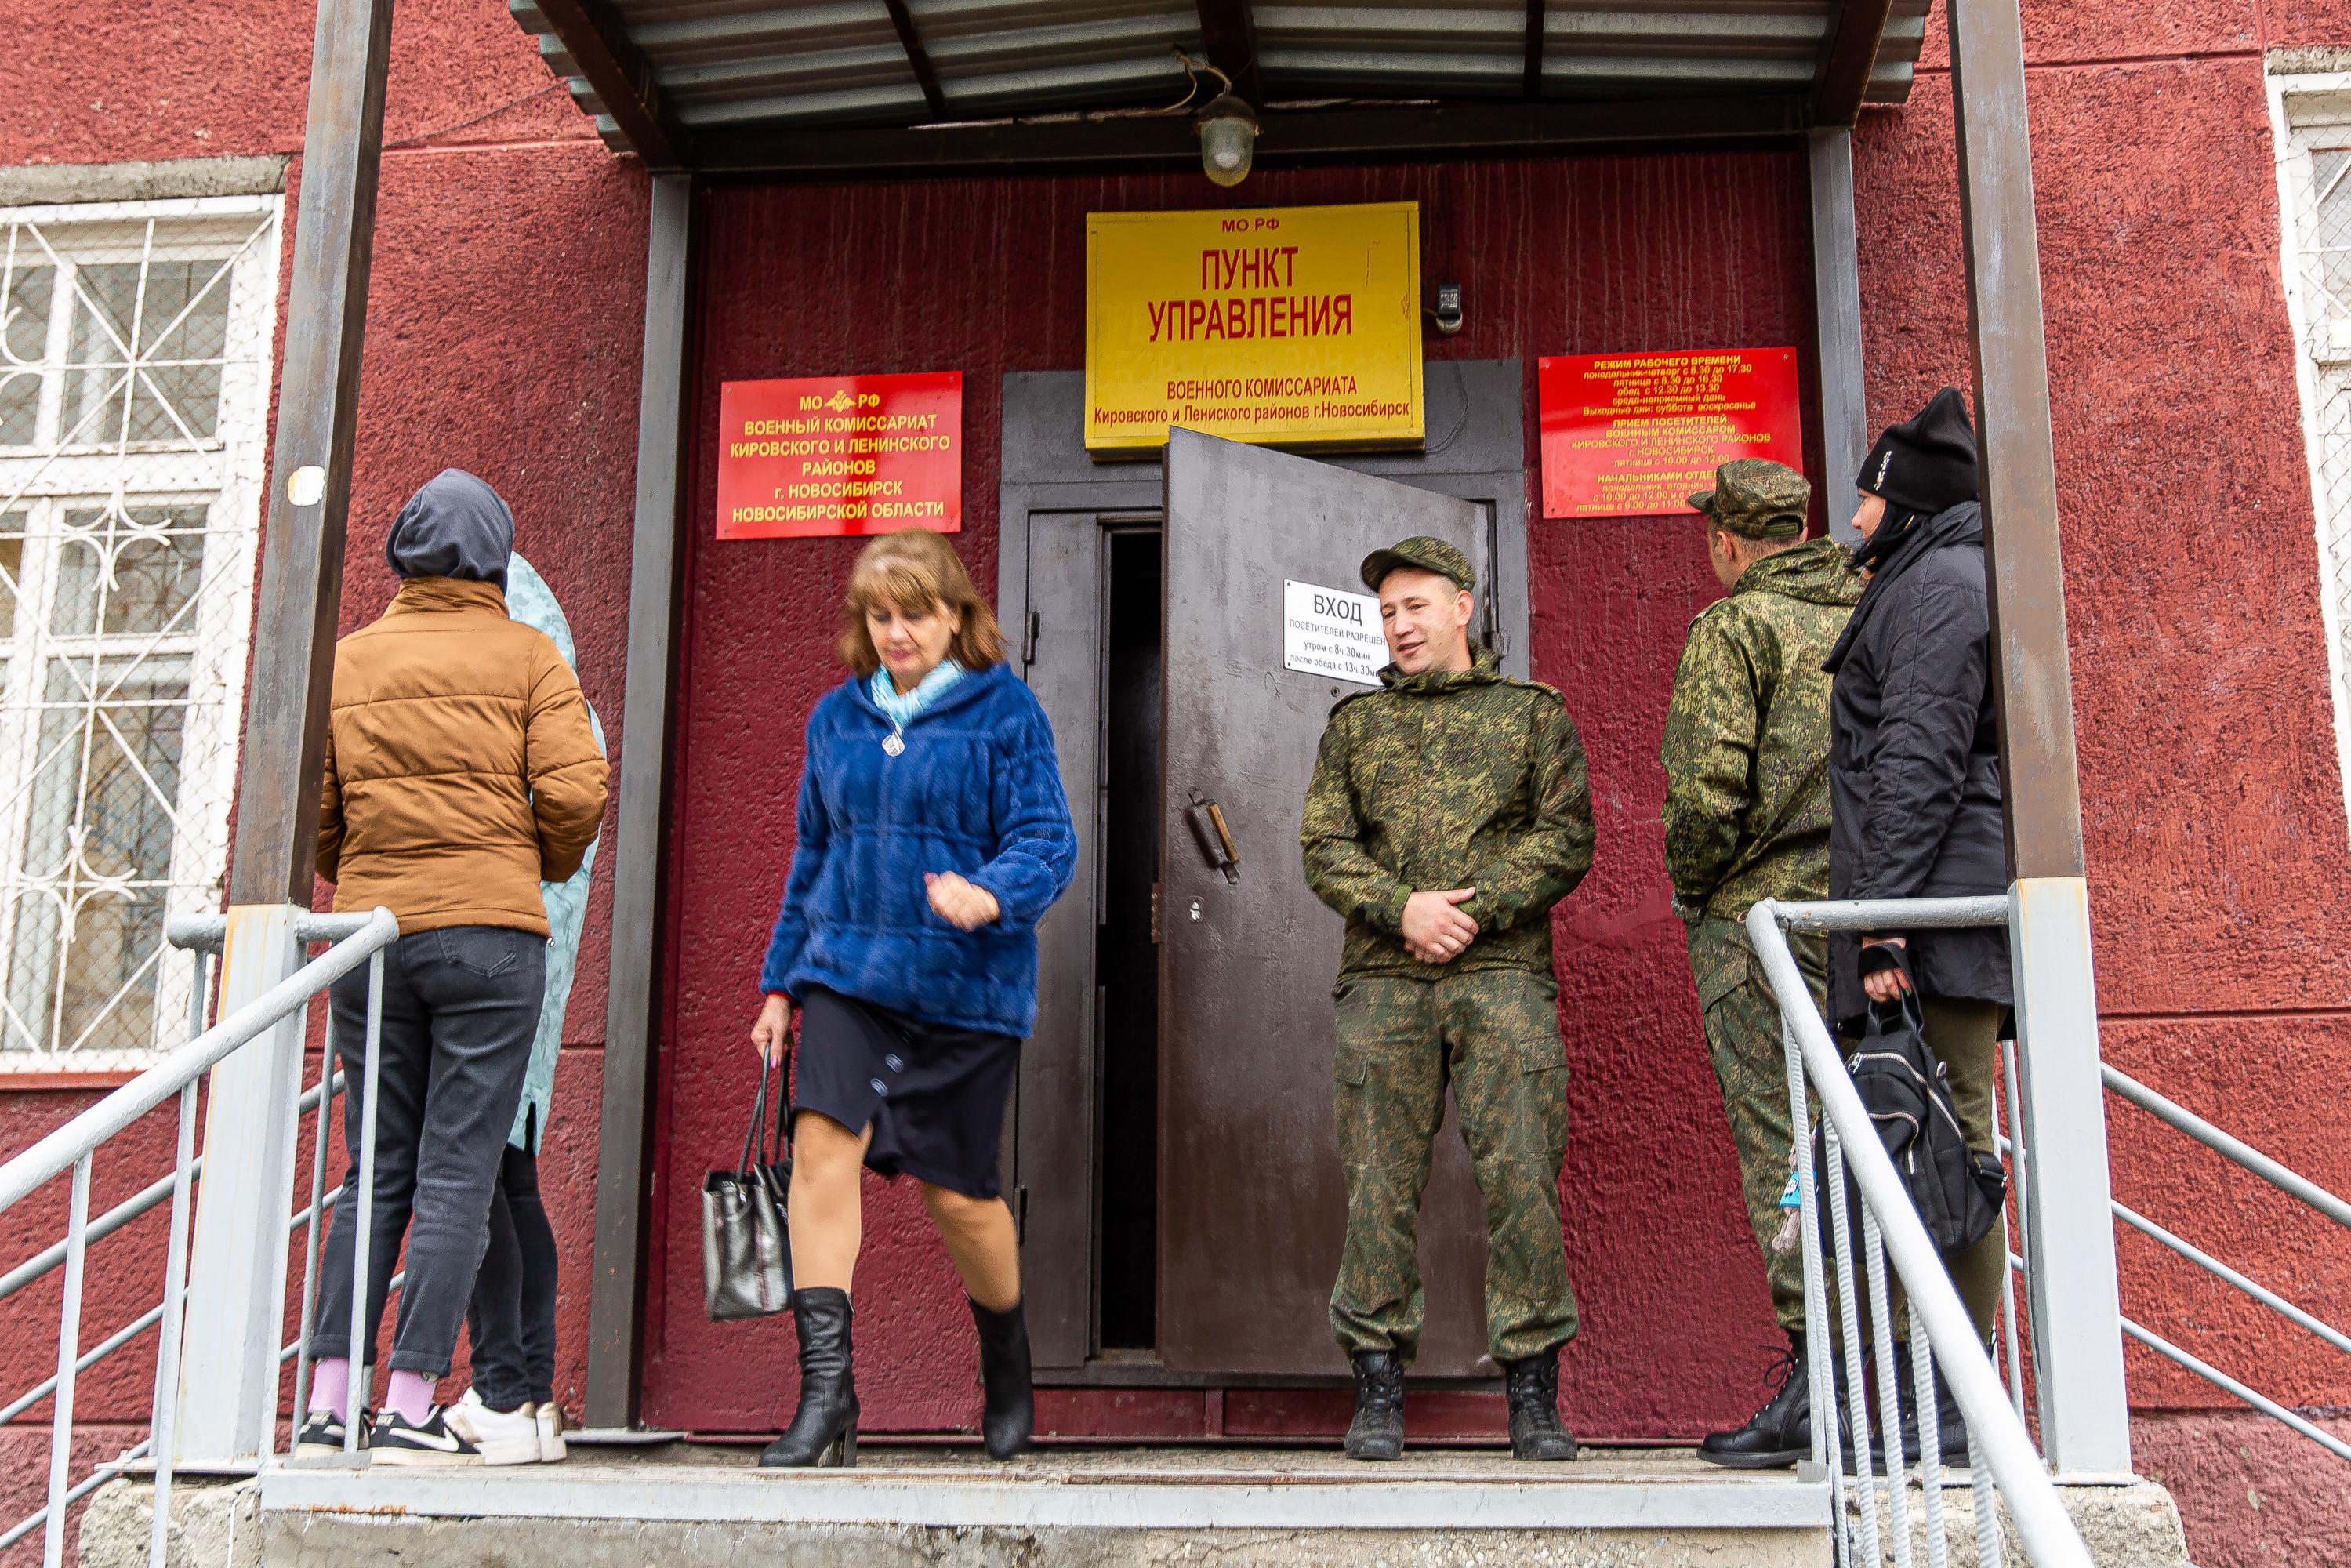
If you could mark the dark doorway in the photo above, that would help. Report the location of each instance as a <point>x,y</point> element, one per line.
<point>1144,1103</point>
<point>1127,961</point>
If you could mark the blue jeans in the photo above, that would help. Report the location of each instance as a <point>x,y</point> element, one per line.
<point>512,1319</point>
<point>460,1009</point>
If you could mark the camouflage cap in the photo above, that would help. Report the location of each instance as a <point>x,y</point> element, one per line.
<point>1757,500</point>
<point>1424,553</point>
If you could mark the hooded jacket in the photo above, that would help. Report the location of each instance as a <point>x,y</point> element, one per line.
<point>1444,779</point>
<point>1747,737</point>
<point>532,602</point>
<point>1913,759</point>
<point>462,770</point>
<point>975,788</point>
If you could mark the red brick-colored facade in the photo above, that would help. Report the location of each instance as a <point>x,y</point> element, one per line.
<point>504,333</point>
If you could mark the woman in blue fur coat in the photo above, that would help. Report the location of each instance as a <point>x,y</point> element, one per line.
<point>933,836</point>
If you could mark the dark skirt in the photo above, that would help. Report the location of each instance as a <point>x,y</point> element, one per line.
<point>934,1094</point>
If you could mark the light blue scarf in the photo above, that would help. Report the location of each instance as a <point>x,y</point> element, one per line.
<point>900,707</point>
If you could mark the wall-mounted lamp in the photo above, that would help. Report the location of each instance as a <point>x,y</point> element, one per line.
<point>1228,129</point>
<point>1446,314</point>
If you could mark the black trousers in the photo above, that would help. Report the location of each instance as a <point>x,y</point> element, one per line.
<point>511,1322</point>
<point>460,1009</point>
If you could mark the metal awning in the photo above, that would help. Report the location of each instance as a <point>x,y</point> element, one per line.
<point>836,86</point>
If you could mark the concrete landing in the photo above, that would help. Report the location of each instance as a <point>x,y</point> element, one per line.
<point>711,1507</point>
<point>682,1505</point>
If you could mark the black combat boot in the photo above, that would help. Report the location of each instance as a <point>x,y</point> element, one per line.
<point>1532,1387</point>
<point>1377,1431</point>
<point>1781,1433</point>
<point>824,1432</point>
<point>1950,1425</point>
<point>1010,1418</point>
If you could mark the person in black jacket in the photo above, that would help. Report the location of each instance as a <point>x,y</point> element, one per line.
<point>1914,778</point>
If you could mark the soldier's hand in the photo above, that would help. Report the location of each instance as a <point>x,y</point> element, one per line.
<point>1434,929</point>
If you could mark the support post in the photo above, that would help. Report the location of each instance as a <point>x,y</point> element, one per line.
<point>227,1410</point>
<point>236,1277</point>
<point>2070,1271</point>
<point>1836,309</point>
<point>615,1294</point>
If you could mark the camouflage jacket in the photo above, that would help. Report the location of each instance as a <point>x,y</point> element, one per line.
<point>1448,779</point>
<point>1747,737</point>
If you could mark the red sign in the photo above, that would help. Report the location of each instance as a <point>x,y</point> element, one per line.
<point>1632,435</point>
<point>841,455</point>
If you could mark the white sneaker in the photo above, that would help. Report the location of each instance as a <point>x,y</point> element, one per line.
<point>503,1437</point>
<point>552,1447</point>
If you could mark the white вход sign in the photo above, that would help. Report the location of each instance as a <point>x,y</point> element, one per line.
<point>1331,632</point>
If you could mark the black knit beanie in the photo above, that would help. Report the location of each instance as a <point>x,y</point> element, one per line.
<point>1927,463</point>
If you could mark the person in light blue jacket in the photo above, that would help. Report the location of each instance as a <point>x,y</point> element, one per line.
<point>510,1413</point>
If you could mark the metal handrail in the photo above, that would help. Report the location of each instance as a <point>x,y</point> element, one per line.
<point>2222,1380</point>
<point>71,1147</point>
<point>2001,1447</point>
<point>2292,1183</point>
<point>130,1456</point>
<point>209,933</point>
<point>56,1153</point>
<point>2244,1282</point>
<point>43,1262</point>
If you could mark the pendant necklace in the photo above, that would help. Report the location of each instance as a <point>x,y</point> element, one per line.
<point>894,743</point>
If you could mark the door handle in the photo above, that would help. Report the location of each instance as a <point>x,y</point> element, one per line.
<point>1215,839</point>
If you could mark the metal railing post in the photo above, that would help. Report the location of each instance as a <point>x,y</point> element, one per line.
<point>311,1242</point>
<point>2014,1198</point>
<point>364,1214</point>
<point>167,1346</point>
<point>1848,1302</point>
<point>2000,1451</point>
<point>175,1283</point>
<point>237,1273</point>
<point>53,1537</point>
<point>1820,1353</point>
<point>2073,1302</point>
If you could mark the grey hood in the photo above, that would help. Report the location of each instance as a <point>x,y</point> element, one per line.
<point>456,526</point>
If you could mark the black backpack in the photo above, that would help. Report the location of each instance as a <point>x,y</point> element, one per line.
<point>1958,1191</point>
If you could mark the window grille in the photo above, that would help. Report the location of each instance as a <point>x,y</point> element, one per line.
<point>135,383</point>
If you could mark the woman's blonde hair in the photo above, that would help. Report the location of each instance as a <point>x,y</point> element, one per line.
<point>916,568</point>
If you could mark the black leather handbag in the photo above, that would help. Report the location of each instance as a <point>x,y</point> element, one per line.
<point>747,1252</point>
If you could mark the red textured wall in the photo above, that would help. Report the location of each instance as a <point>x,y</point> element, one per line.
<point>988,276</point>
<point>504,336</point>
<point>2213,805</point>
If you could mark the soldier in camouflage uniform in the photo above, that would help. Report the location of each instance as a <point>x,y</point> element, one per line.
<point>1747,817</point>
<point>1447,814</point>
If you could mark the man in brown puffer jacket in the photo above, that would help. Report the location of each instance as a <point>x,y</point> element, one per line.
<point>461,773</point>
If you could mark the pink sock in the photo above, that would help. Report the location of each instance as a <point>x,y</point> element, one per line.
<point>330,1383</point>
<point>411,1394</point>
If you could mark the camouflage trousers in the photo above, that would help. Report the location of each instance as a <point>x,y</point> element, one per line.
<point>1751,1062</point>
<point>1493,1034</point>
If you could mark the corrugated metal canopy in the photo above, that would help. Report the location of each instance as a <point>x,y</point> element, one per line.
<point>806,65</point>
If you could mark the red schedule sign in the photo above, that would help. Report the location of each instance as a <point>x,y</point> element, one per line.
<point>1630,435</point>
<point>841,455</point>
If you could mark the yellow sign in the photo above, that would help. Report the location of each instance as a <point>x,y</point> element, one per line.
<point>1288,326</point>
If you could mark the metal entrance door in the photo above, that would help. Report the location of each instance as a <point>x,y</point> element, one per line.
<point>1252,1199</point>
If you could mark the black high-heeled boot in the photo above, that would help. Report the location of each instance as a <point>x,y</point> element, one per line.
<point>1010,1418</point>
<point>824,1432</point>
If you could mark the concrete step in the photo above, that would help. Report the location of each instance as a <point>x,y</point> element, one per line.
<point>698,1506</point>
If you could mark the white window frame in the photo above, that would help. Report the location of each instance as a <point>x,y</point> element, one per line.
<point>225,473</point>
